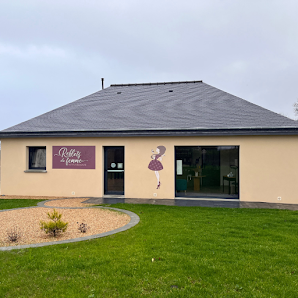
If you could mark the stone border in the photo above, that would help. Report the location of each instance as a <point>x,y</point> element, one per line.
<point>134,220</point>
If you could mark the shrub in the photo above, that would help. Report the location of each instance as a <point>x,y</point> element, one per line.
<point>55,226</point>
<point>14,234</point>
<point>82,227</point>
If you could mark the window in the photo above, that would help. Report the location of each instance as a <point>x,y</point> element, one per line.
<point>37,158</point>
<point>207,171</point>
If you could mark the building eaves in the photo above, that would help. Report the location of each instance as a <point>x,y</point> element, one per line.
<point>156,133</point>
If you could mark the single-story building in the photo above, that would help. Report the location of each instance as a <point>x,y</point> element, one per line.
<point>154,141</point>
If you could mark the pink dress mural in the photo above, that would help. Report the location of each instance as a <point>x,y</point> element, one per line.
<point>155,164</point>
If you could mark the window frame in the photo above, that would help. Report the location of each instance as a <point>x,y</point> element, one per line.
<point>221,195</point>
<point>29,168</point>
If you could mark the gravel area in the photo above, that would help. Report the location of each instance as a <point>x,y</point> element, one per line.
<point>27,221</point>
<point>68,203</point>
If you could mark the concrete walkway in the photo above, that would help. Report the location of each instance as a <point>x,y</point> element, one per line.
<point>193,202</point>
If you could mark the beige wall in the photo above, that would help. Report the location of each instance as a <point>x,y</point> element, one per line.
<point>267,166</point>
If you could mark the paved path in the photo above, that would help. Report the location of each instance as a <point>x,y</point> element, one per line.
<point>194,202</point>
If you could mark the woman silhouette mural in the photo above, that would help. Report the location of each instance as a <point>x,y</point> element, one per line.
<point>155,164</point>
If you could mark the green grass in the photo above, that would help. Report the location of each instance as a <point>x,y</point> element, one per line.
<point>199,252</point>
<point>17,203</point>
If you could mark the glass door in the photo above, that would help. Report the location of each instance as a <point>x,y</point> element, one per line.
<point>114,170</point>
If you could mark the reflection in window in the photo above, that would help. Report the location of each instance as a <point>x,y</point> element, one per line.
<point>37,158</point>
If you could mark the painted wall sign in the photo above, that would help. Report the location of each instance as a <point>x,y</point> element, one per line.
<point>73,157</point>
<point>155,164</point>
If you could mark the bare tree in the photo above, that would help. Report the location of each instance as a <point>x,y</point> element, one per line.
<point>295,106</point>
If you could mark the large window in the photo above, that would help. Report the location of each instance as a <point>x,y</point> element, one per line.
<point>207,171</point>
<point>37,158</point>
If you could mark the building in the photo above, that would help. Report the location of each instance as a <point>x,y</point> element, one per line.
<point>154,141</point>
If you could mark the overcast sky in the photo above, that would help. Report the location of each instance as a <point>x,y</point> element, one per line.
<point>54,52</point>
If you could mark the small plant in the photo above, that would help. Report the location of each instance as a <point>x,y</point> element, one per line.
<point>55,226</point>
<point>82,227</point>
<point>14,234</point>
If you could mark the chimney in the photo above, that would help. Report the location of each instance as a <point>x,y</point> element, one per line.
<point>102,79</point>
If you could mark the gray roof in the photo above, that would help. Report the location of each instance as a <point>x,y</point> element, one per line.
<point>155,109</point>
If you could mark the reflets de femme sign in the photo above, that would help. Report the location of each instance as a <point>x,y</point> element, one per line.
<point>73,157</point>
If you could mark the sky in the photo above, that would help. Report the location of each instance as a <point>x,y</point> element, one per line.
<point>55,52</point>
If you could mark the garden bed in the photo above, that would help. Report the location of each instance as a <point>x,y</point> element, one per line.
<point>27,221</point>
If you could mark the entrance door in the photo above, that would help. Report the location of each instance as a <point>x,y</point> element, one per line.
<point>114,170</point>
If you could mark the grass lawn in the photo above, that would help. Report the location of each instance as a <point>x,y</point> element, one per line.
<point>199,252</point>
<point>17,203</point>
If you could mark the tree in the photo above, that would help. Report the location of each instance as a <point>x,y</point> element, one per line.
<point>295,105</point>
<point>55,226</point>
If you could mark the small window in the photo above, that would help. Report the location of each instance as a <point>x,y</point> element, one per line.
<point>37,158</point>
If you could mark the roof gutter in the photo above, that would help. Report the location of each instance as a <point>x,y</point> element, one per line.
<point>154,133</point>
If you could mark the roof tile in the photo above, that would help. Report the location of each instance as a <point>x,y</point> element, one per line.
<point>151,106</point>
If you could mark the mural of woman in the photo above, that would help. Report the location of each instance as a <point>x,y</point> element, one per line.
<point>155,164</point>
